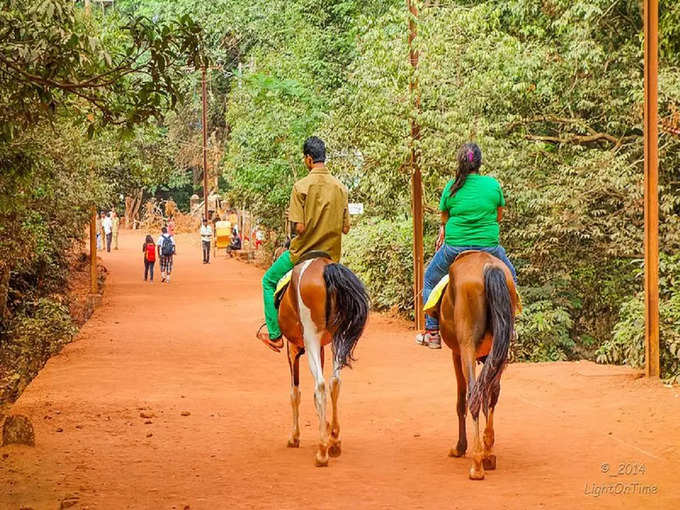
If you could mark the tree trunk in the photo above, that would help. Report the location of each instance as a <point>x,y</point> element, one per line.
<point>4,289</point>
<point>132,206</point>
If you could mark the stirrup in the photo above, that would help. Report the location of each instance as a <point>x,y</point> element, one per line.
<point>275,345</point>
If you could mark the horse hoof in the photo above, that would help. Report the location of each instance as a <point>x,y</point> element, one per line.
<point>293,443</point>
<point>489,462</point>
<point>476,475</point>
<point>319,462</point>
<point>335,450</point>
<point>455,452</point>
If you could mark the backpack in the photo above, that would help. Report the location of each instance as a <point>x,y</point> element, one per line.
<point>151,252</point>
<point>167,248</point>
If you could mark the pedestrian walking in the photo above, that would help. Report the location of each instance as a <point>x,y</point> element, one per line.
<point>107,225</point>
<point>206,239</point>
<point>166,252</point>
<point>115,224</point>
<point>102,235</point>
<point>99,232</point>
<point>149,250</point>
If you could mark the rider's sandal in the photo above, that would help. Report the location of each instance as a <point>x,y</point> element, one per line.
<point>275,345</point>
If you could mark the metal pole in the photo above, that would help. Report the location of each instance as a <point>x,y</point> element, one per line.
<point>416,177</point>
<point>651,14</point>
<point>93,252</point>
<point>205,153</point>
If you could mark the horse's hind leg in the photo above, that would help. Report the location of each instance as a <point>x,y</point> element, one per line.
<point>294,353</point>
<point>477,469</point>
<point>488,458</point>
<point>461,408</point>
<point>335,448</point>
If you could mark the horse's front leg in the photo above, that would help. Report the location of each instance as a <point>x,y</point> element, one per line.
<point>294,353</point>
<point>335,444</point>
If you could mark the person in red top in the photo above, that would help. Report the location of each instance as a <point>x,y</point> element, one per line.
<point>149,250</point>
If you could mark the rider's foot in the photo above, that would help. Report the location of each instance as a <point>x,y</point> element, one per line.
<point>429,338</point>
<point>275,344</point>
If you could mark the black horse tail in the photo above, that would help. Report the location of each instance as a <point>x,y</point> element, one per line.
<point>502,325</point>
<point>347,306</point>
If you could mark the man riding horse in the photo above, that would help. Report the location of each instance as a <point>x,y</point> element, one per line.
<point>319,213</point>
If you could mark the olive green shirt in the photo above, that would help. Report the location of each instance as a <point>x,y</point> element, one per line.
<point>319,201</point>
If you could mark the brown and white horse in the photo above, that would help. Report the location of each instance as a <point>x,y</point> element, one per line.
<point>476,318</point>
<point>325,303</point>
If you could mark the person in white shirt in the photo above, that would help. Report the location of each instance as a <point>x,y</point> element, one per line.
<point>206,239</point>
<point>107,225</point>
<point>166,252</point>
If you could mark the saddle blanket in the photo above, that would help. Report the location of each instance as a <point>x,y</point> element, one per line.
<point>283,282</point>
<point>438,291</point>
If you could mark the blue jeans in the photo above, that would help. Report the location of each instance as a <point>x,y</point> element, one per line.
<point>439,267</point>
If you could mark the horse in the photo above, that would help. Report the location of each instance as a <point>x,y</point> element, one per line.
<point>476,320</point>
<point>325,303</point>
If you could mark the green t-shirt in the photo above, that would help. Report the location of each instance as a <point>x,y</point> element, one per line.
<point>473,212</point>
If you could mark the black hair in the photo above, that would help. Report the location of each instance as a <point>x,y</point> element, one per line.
<point>315,148</point>
<point>149,239</point>
<point>164,230</point>
<point>469,160</point>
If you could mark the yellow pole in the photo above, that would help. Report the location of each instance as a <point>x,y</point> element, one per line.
<point>651,14</point>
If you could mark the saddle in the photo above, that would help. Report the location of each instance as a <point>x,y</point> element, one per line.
<point>283,283</point>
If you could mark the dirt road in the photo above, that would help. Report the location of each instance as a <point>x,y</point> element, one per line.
<point>185,355</point>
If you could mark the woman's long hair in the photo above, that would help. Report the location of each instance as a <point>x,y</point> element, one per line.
<point>469,160</point>
<point>149,240</point>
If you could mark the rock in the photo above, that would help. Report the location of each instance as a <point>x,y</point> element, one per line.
<point>69,501</point>
<point>186,413</point>
<point>148,422</point>
<point>18,429</point>
<point>149,434</point>
<point>60,429</point>
<point>146,414</point>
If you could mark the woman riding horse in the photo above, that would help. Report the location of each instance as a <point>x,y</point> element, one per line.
<point>471,208</point>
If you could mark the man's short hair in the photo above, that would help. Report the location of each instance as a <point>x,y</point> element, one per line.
<point>164,230</point>
<point>315,148</point>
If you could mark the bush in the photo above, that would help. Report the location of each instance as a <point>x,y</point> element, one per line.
<point>543,333</point>
<point>380,252</point>
<point>627,342</point>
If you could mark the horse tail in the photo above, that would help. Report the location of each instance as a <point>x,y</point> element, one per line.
<point>502,325</point>
<point>347,306</point>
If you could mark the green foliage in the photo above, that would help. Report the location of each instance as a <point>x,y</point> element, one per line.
<point>543,333</point>
<point>627,342</point>
<point>380,252</point>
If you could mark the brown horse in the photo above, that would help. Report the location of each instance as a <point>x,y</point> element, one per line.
<point>477,316</point>
<point>325,303</point>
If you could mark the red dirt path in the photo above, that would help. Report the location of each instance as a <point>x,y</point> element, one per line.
<point>189,346</point>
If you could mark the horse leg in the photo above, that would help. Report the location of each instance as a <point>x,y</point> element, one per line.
<point>313,349</point>
<point>461,408</point>
<point>294,353</point>
<point>477,469</point>
<point>489,459</point>
<point>335,444</point>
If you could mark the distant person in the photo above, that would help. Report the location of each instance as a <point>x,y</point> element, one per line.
<point>149,250</point>
<point>107,225</point>
<point>115,224</point>
<point>206,239</point>
<point>98,228</point>
<point>166,252</point>
<point>101,229</point>
<point>259,238</point>
<point>171,225</point>
<point>235,242</point>
<point>233,219</point>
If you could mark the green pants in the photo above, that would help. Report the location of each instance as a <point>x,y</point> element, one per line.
<point>271,315</point>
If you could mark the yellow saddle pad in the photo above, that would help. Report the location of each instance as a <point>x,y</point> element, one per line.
<point>436,295</point>
<point>285,280</point>
<point>438,292</point>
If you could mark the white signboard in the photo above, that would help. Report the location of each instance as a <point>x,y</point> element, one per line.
<point>355,209</point>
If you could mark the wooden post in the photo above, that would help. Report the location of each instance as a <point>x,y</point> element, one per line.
<point>205,146</point>
<point>651,131</point>
<point>93,252</point>
<point>416,177</point>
